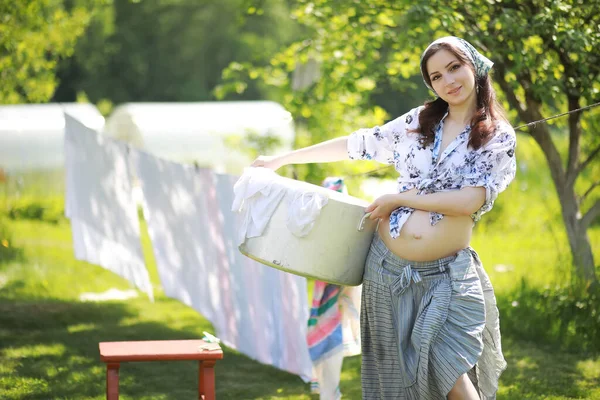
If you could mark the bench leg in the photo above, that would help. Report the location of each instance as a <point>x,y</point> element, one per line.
<point>112,381</point>
<point>206,380</point>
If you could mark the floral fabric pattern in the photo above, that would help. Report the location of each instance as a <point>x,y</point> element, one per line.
<point>492,166</point>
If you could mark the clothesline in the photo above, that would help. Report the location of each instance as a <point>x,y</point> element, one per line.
<point>520,127</point>
<point>558,115</point>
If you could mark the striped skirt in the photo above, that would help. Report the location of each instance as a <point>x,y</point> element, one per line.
<point>424,324</point>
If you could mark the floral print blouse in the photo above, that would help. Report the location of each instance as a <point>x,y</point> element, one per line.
<point>492,166</point>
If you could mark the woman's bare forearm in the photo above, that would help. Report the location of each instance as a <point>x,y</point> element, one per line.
<point>328,151</point>
<point>465,201</point>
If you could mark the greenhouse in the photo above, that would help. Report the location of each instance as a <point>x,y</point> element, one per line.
<point>209,134</point>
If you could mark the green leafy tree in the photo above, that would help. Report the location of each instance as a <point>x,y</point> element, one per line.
<point>546,60</point>
<point>337,96</point>
<point>170,50</point>
<point>34,34</point>
<point>86,68</point>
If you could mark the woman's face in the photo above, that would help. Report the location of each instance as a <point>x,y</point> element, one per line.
<point>453,81</point>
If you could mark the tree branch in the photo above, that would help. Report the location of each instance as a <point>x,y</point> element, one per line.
<point>587,192</point>
<point>573,96</point>
<point>539,132</point>
<point>508,91</point>
<point>574,137</point>
<point>590,215</point>
<point>587,161</point>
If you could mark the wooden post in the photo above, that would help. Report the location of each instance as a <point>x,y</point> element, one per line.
<point>206,380</point>
<point>112,381</point>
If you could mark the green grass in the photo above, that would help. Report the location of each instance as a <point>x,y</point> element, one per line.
<point>49,339</point>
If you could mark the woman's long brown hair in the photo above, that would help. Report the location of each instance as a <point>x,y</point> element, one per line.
<point>488,110</point>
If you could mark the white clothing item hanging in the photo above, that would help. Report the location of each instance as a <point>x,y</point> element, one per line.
<point>178,200</point>
<point>100,205</point>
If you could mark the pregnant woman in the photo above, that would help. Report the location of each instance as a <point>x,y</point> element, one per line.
<point>429,321</point>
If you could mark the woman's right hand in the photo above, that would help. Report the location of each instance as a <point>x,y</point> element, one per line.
<point>271,162</point>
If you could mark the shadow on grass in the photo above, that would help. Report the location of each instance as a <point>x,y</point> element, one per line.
<point>49,350</point>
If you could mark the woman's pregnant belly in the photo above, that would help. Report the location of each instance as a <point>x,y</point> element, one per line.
<point>420,241</point>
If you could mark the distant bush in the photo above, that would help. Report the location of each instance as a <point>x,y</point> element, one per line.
<point>562,316</point>
<point>50,209</point>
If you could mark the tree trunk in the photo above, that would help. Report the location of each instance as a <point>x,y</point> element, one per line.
<point>579,242</point>
<point>581,250</point>
<point>583,257</point>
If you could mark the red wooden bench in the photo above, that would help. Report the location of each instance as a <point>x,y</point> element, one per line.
<point>114,353</point>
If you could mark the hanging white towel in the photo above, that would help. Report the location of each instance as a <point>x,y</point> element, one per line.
<point>99,203</point>
<point>327,375</point>
<point>178,200</point>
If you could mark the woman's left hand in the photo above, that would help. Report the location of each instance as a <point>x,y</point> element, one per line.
<point>383,206</point>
